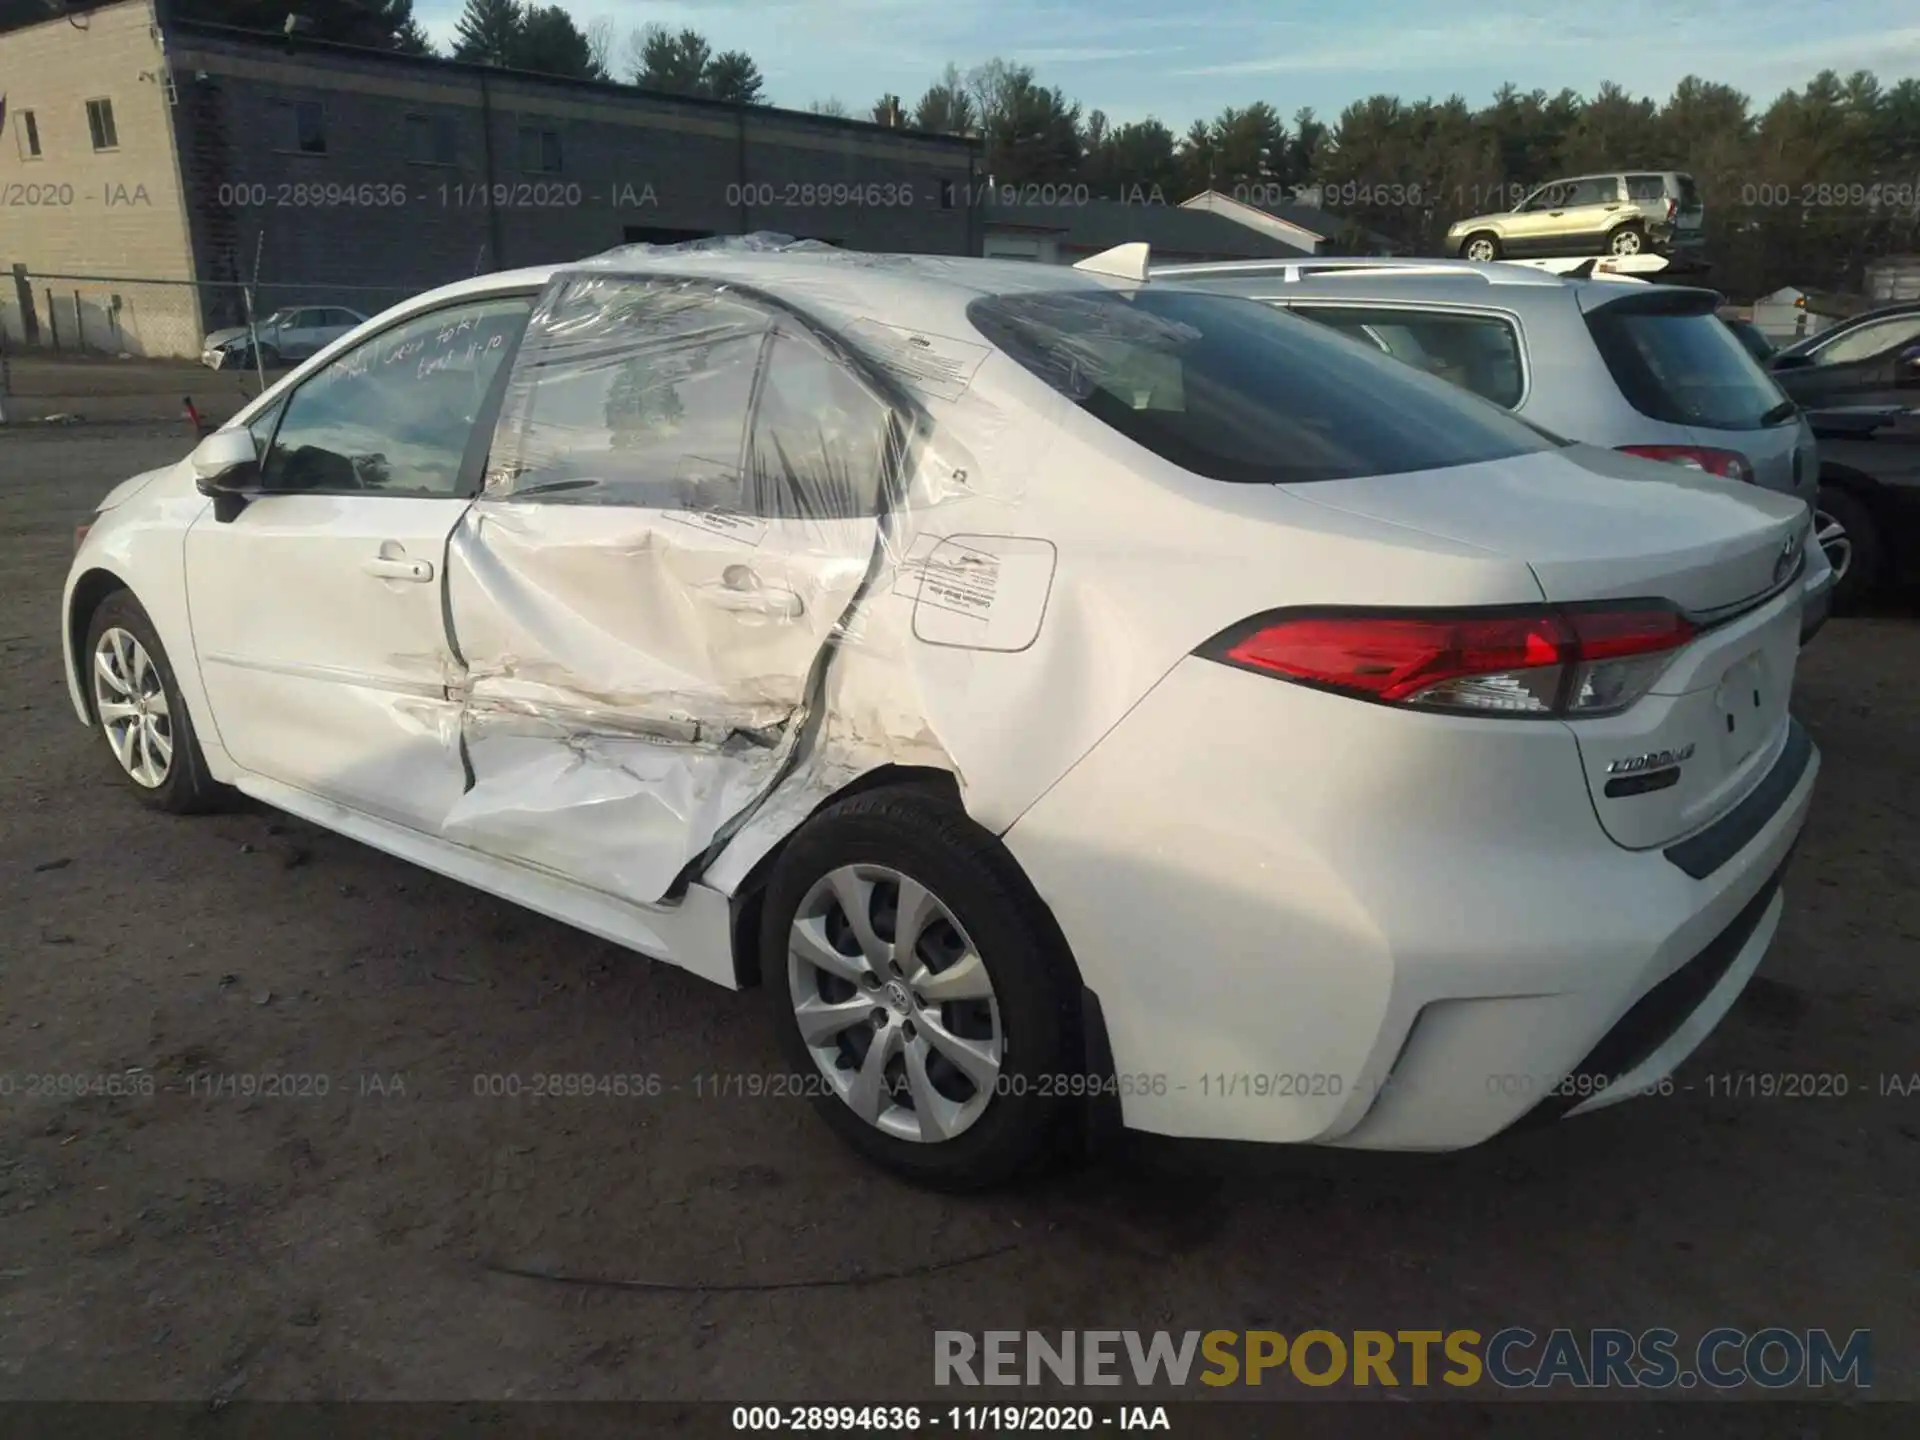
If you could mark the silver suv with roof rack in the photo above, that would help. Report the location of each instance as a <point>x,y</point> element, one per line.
<point>1642,368</point>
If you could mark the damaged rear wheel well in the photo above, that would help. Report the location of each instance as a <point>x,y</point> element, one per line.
<point>748,898</point>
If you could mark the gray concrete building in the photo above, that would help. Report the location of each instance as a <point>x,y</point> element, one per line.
<point>177,161</point>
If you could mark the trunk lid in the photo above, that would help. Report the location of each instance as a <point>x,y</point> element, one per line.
<point>1596,525</point>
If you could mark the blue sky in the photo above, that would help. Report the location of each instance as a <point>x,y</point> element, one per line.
<point>1134,58</point>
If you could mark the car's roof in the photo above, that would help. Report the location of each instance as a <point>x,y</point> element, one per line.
<point>832,283</point>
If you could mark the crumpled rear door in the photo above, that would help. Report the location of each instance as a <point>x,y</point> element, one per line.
<point>683,501</point>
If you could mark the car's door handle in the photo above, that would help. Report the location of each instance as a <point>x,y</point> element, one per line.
<point>741,591</point>
<point>781,604</point>
<point>391,567</point>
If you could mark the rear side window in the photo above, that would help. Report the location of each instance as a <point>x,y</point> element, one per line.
<point>1480,353</point>
<point>629,393</point>
<point>1233,390</point>
<point>1683,366</point>
<point>1646,187</point>
<point>821,440</point>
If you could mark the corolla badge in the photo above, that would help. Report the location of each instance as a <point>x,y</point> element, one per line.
<point>1652,760</point>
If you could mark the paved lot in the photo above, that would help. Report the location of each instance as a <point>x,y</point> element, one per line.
<point>361,1244</point>
<point>103,391</point>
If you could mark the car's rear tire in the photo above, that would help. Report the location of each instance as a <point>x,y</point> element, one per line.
<point>141,714</point>
<point>1630,239</point>
<point>1845,528</point>
<point>1481,245</point>
<point>978,1017</point>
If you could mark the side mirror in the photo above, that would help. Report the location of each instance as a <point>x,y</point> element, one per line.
<point>225,464</point>
<point>1908,365</point>
<point>1790,362</point>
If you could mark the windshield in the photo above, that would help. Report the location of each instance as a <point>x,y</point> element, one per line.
<point>1233,390</point>
<point>1686,367</point>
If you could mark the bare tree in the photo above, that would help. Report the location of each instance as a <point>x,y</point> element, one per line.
<point>601,35</point>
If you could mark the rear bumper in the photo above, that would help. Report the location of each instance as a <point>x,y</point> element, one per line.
<point>1307,919</point>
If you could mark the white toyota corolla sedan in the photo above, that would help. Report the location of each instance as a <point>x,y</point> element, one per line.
<point>1074,701</point>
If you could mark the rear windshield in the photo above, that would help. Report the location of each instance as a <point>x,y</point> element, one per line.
<point>1232,389</point>
<point>1685,367</point>
<point>1689,197</point>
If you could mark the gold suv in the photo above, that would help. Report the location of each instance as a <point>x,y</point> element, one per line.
<point>1624,213</point>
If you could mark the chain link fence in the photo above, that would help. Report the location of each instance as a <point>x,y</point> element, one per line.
<point>142,317</point>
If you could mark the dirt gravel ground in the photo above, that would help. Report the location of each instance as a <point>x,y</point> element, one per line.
<point>361,1244</point>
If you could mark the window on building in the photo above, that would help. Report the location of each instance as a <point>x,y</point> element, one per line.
<point>100,125</point>
<point>29,136</point>
<point>539,149</point>
<point>299,126</point>
<point>431,140</point>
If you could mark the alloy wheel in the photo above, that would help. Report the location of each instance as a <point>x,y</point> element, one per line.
<point>1479,250</point>
<point>131,701</point>
<point>1626,242</point>
<point>1835,541</point>
<point>894,1003</point>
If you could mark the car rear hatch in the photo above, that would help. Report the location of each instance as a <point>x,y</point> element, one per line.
<point>1596,526</point>
<point>1676,363</point>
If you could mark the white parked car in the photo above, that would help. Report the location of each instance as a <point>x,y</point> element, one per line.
<point>1072,699</point>
<point>285,335</point>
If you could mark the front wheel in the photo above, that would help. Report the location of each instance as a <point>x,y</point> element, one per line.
<point>137,703</point>
<point>921,990</point>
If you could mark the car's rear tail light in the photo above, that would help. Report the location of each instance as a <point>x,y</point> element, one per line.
<point>1673,209</point>
<point>1728,464</point>
<point>1569,661</point>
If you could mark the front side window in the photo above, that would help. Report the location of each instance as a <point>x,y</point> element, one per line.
<point>1870,341</point>
<point>1480,353</point>
<point>394,415</point>
<point>1235,390</point>
<point>1548,197</point>
<point>632,393</point>
<point>261,428</point>
<point>100,125</point>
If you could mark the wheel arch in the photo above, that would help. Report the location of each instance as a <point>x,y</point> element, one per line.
<point>750,893</point>
<point>88,593</point>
